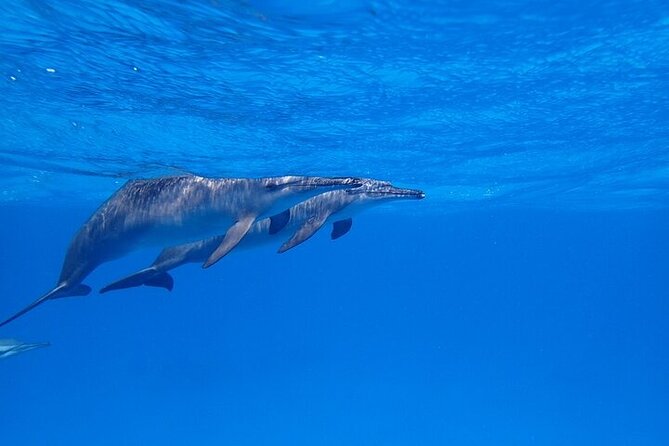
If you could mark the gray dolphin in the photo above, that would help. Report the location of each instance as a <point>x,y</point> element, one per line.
<point>11,347</point>
<point>177,209</point>
<point>305,218</point>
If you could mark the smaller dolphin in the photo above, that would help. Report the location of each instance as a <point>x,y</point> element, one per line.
<point>11,347</point>
<point>306,217</point>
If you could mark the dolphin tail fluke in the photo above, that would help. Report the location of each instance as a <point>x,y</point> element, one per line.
<point>308,229</point>
<point>78,290</point>
<point>60,291</point>
<point>147,276</point>
<point>232,237</point>
<point>162,280</point>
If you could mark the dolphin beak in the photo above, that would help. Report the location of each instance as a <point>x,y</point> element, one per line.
<point>407,193</point>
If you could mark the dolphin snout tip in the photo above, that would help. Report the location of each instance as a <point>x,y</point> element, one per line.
<point>421,195</point>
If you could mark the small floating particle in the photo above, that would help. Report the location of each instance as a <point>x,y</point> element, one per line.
<point>51,70</point>
<point>74,123</point>
<point>135,69</point>
<point>12,78</point>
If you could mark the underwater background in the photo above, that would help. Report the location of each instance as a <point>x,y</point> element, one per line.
<point>524,301</point>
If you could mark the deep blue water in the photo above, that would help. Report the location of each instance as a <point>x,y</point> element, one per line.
<point>524,301</point>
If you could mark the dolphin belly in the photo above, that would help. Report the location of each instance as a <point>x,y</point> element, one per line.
<point>188,231</point>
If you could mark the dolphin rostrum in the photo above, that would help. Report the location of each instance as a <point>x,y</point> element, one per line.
<point>11,347</point>
<point>306,218</point>
<point>178,209</point>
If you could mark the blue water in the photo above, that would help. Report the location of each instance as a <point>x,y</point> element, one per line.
<point>524,301</point>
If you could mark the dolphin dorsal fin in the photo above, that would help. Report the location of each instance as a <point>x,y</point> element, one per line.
<point>340,228</point>
<point>232,237</point>
<point>305,231</point>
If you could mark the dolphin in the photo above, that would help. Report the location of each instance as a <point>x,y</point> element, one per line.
<point>305,218</point>
<point>11,347</point>
<point>177,209</point>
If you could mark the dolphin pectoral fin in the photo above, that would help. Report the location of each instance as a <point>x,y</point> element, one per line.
<point>308,229</point>
<point>232,237</point>
<point>59,291</point>
<point>341,228</point>
<point>279,221</point>
<point>161,280</point>
<point>134,280</point>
